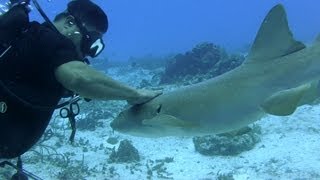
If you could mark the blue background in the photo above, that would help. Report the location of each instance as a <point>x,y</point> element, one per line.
<point>160,27</point>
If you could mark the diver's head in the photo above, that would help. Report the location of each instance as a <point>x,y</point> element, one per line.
<point>84,23</point>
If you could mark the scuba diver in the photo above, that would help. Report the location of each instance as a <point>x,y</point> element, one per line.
<point>40,62</point>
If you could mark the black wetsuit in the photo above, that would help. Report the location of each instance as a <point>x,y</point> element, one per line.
<point>27,71</point>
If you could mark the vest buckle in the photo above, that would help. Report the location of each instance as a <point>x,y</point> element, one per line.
<point>3,107</point>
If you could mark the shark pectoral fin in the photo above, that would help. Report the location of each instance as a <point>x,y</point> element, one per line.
<point>312,94</point>
<point>274,38</point>
<point>166,120</point>
<point>285,102</point>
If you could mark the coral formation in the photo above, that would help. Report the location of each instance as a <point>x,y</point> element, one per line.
<point>232,143</point>
<point>93,114</point>
<point>91,120</point>
<point>126,153</point>
<point>157,168</point>
<point>206,60</point>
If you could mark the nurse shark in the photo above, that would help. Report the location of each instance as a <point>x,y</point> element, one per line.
<point>278,75</point>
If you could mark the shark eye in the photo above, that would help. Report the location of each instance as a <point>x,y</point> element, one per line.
<point>159,108</point>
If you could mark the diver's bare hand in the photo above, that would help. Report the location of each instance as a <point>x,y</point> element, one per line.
<point>144,96</point>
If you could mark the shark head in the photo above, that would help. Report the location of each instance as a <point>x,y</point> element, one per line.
<point>150,120</point>
<point>133,119</point>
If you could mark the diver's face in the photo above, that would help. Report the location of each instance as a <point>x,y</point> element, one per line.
<point>72,31</point>
<point>69,28</point>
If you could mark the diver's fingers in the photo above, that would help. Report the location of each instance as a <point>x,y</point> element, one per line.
<point>145,96</point>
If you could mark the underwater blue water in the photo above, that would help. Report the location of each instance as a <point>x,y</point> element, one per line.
<point>160,27</point>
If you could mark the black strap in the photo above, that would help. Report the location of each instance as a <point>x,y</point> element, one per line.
<point>39,107</point>
<point>21,173</point>
<point>43,14</point>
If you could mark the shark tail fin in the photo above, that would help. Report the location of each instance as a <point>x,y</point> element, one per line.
<point>274,38</point>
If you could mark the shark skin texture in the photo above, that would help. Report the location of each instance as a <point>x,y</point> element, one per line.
<point>278,75</point>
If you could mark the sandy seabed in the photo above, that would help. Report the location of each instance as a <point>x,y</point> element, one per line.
<point>289,149</point>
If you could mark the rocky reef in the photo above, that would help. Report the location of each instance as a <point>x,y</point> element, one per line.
<point>228,144</point>
<point>126,153</point>
<point>92,115</point>
<point>204,61</point>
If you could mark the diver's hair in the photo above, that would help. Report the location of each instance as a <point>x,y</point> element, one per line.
<point>88,13</point>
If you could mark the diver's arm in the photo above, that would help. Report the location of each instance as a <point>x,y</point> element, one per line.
<point>89,83</point>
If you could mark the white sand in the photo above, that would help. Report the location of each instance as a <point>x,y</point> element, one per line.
<point>289,149</point>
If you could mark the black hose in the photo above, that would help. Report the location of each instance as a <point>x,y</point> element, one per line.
<point>43,14</point>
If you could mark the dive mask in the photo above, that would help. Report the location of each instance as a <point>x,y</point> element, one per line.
<point>91,43</point>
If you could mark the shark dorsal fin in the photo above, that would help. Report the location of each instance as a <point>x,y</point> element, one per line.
<point>274,38</point>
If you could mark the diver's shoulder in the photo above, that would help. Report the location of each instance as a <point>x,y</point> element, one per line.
<point>46,32</point>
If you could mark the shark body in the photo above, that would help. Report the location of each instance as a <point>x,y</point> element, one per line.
<point>278,75</point>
